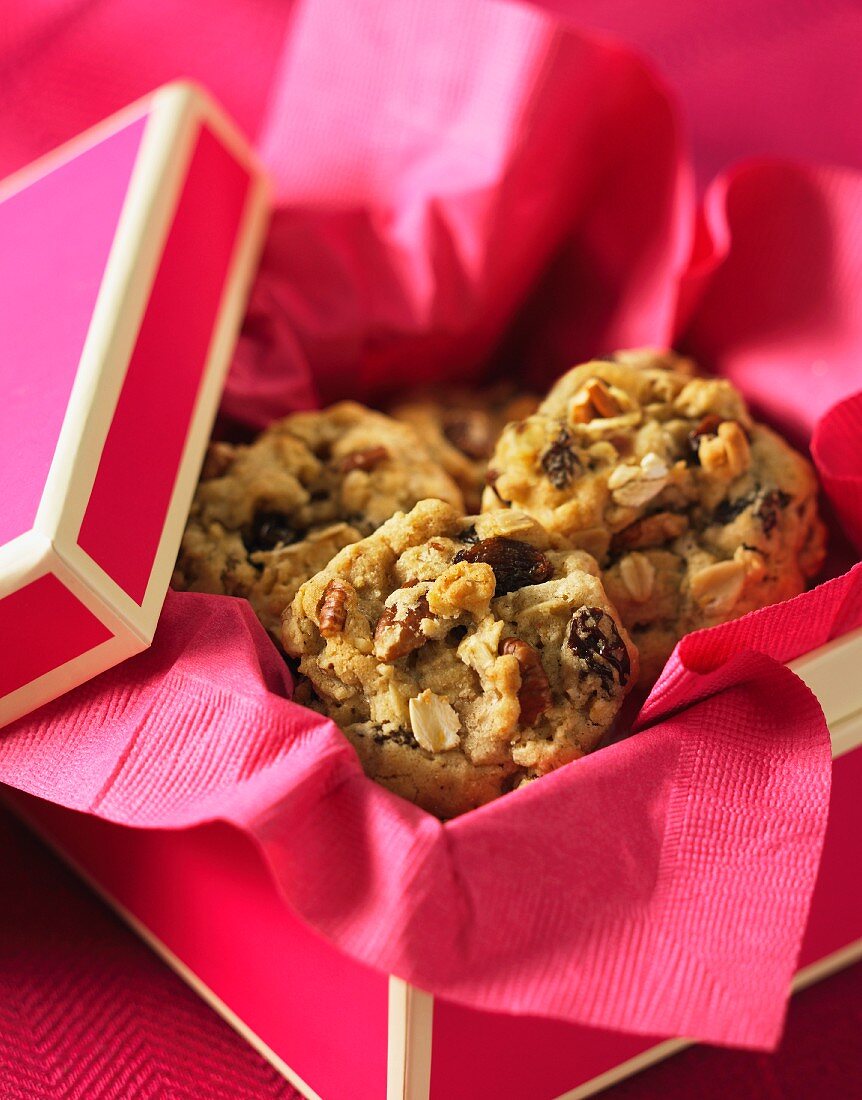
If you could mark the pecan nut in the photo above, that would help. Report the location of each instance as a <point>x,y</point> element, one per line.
<point>593,400</point>
<point>515,563</point>
<point>534,694</point>
<point>333,607</point>
<point>365,459</point>
<point>652,530</point>
<point>396,634</point>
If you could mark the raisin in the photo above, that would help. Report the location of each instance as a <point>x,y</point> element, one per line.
<point>404,738</point>
<point>595,640</point>
<point>303,693</point>
<point>468,535</point>
<point>728,510</point>
<point>515,563</point>
<point>268,530</point>
<point>770,505</point>
<point>707,426</point>
<point>560,462</point>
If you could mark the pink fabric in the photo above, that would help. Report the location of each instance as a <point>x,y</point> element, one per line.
<point>776,77</point>
<point>460,185</point>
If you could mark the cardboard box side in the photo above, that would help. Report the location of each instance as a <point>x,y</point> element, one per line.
<point>832,672</point>
<point>63,223</point>
<point>133,261</point>
<point>85,637</point>
<point>241,260</point>
<point>124,517</point>
<point>411,1016</point>
<point>117,529</point>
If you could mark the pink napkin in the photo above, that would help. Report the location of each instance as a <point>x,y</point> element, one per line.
<point>472,188</point>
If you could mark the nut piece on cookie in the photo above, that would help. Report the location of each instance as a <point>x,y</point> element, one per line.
<point>460,428</point>
<point>474,657</point>
<point>695,513</point>
<point>268,516</point>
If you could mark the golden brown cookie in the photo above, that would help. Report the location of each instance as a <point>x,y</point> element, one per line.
<point>461,656</point>
<point>460,428</point>
<point>268,516</point>
<point>696,513</point>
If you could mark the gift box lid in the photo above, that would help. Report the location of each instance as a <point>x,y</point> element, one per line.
<point>125,262</point>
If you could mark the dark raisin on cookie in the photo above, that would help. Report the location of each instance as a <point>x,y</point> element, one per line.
<point>268,530</point>
<point>303,693</point>
<point>560,462</point>
<point>515,563</point>
<point>728,510</point>
<point>771,503</point>
<point>468,535</point>
<point>404,738</point>
<point>594,639</point>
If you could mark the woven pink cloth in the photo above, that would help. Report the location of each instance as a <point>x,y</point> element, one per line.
<point>474,187</point>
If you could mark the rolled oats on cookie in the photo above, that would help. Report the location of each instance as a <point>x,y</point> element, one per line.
<point>461,656</point>
<point>696,513</point>
<point>268,516</point>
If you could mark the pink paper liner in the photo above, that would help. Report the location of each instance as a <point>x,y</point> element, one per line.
<point>458,187</point>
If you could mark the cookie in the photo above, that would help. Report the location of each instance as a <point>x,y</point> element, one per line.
<point>653,359</point>
<point>460,428</point>
<point>268,516</point>
<point>461,656</point>
<point>696,514</point>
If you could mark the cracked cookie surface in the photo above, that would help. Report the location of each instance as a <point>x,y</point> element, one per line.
<point>460,428</point>
<point>695,513</point>
<point>267,516</point>
<point>461,656</point>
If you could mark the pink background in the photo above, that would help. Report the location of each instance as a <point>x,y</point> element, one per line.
<point>753,76</point>
<point>764,91</point>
